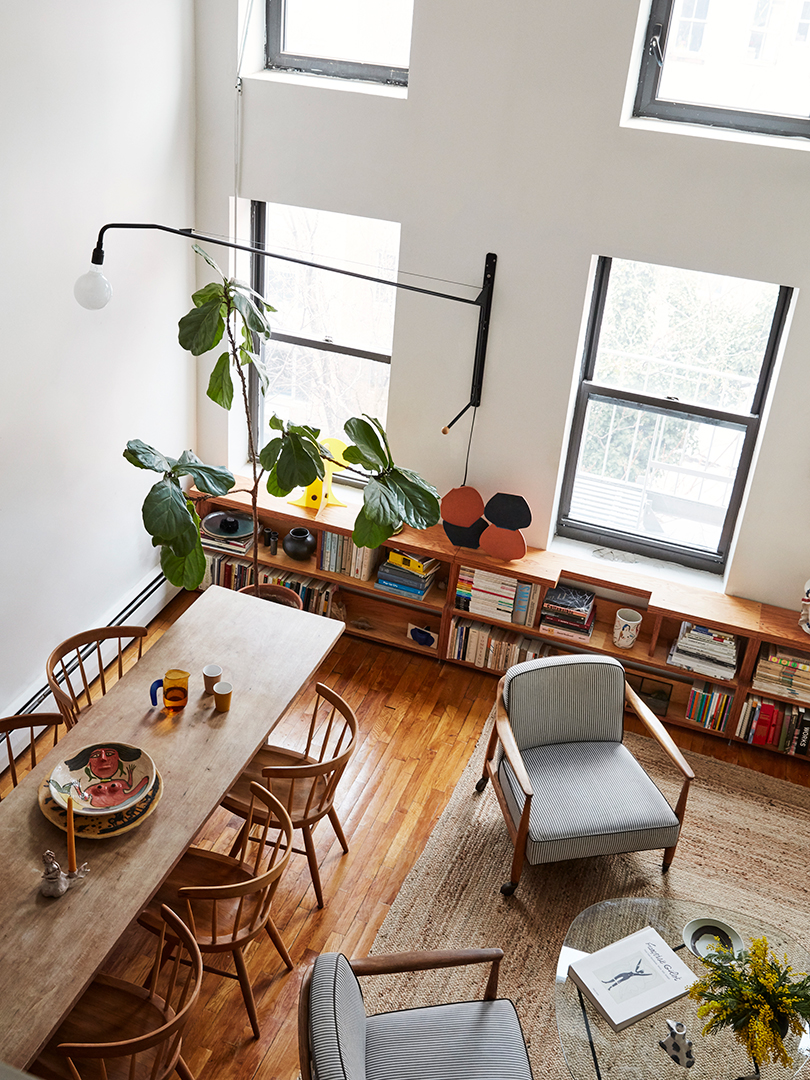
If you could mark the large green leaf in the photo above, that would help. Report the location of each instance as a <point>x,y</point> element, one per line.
<point>401,496</point>
<point>187,571</point>
<point>367,450</point>
<point>275,423</point>
<point>368,533</point>
<point>143,456</point>
<point>165,513</point>
<point>204,255</point>
<point>220,385</point>
<point>419,498</point>
<point>213,291</point>
<point>268,455</point>
<point>254,319</point>
<point>202,328</point>
<point>213,479</point>
<point>299,463</point>
<point>274,487</point>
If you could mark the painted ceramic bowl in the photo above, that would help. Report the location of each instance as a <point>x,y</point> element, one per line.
<point>701,936</point>
<point>103,778</point>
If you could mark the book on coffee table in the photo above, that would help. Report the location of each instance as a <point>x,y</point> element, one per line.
<point>632,977</point>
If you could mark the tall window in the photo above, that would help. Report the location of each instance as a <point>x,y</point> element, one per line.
<point>674,376</point>
<point>330,354</point>
<point>350,39</point>
<point>727,63</point>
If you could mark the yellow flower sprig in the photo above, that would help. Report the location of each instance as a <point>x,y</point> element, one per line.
<point>755,994</point>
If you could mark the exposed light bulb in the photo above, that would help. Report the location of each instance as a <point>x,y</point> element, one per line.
<point>92,290</point>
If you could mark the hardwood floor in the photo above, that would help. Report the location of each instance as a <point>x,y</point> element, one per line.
<point>419,721</point>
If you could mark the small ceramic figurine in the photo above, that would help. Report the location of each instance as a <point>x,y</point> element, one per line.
<point>55,882</point>
<point>677,1045</point>
<point>804,618</point>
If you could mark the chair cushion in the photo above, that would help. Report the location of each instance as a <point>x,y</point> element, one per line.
<point>589,799</point>
<point>471,1040</point>
<point>337,1020</point>
<point>564,699</point>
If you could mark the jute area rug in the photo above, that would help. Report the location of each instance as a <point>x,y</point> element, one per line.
<point>745,846</point>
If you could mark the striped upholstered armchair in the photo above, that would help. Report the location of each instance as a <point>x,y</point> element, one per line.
<point>476,1040</point>
<point>566,784</point>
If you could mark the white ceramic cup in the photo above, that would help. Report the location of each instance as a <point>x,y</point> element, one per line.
<point>212,673</point>
<point>626,628</point>
<point>222,696</point>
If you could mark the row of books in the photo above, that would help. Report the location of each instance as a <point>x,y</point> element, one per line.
<point>709,705</point>
<point>780,725</point>
<point>408,578</point>
<point>705,651</point>
<point>491,647</point>
<point>783,671</point>
<point>568,613</point>
<point>233,573</point>
<point>497,596</point>
<point>340,555</point>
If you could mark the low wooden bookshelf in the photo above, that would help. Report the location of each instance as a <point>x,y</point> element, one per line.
<point>385,618</point>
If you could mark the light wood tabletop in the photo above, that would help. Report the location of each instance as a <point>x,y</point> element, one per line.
<point>51,948</point>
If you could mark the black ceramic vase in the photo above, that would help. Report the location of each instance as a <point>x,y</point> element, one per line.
<point>299,544</point>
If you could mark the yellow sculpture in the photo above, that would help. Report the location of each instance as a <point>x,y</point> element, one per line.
<point>319,493</point>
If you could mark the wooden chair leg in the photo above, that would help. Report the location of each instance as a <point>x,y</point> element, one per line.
<point>312,859</point>
<point>247,991</point>
<point>275,937</point>
<point>183,1071</point>
<point>338,829</point>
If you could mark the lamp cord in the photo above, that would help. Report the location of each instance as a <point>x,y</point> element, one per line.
<point>469,446</point>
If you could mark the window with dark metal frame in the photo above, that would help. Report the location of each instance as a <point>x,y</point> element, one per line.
<point>738,64</point>
<point>371,49</point>
<point>674,376</point>
<point>337,364</point>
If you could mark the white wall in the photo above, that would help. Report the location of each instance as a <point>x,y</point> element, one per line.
<point>96,125</point>
<point>510,141</point>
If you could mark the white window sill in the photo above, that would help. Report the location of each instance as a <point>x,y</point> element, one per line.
<point>324,82</point>
<point>625,560</point>
<point>704,131</point>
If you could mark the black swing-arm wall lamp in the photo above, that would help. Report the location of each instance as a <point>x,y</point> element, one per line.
<point>94,291</point>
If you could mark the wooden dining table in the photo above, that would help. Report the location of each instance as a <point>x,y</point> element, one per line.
<point>50,948</point>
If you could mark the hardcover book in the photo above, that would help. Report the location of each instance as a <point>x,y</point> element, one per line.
<point>632,978</point>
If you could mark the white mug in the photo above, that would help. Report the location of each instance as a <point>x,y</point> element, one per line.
<point>626,628</point>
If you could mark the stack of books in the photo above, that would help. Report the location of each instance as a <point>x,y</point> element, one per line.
<point>485,593</point>
<point>783,671</point>
<point>780,725</point>
<point>411,581</point>
<point>568,613</point>
<point>705,651</point>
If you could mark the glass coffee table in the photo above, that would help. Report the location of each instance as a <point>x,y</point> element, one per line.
<point>593,1051</point>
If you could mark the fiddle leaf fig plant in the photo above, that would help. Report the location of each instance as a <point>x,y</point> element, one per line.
<point>169,516</point>
<point>292,458</point>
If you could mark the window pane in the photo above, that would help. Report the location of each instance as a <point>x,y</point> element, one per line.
<point>362,31</point>
<point>737,54</point>
<point>695,337</point>
<point>326,306</point>
<point>655,475</point>
<point>323,389</point>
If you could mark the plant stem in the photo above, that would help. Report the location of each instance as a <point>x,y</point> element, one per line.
<point>252,456</point>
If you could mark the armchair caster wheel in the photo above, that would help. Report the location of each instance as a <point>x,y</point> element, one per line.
<point>482,783</point>
<point>509,888</point>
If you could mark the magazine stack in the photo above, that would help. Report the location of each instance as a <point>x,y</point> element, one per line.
<point>705,651</point>
<point>568,613</point>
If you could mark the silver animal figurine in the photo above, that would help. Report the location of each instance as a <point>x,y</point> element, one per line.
<point>55,882</point>
<point>677,1045</point>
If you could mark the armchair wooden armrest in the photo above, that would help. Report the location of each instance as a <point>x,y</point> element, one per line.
<point>665,741</point>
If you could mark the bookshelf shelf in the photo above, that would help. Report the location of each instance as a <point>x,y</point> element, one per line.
<point>385,617</point>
